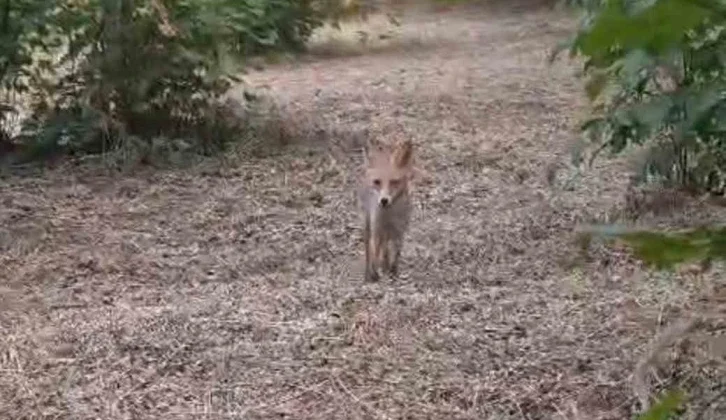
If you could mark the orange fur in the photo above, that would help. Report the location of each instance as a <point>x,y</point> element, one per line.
<point>386,201</point>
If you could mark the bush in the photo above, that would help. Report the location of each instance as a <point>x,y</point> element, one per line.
<point>22,26</point>
<point>100,75</point>
<point>655,75</point>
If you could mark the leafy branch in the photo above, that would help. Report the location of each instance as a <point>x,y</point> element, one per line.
<point>665,250</point>
<point>655,73</point>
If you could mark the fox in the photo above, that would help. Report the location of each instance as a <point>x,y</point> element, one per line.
<point>386,202</point>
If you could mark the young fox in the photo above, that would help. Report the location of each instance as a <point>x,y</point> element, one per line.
<point>386,201</point>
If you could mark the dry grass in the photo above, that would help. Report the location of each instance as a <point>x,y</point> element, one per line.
<point>355,37</point>
<point>235,291</point>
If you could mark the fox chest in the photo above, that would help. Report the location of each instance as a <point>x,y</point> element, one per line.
<point>392,220</point>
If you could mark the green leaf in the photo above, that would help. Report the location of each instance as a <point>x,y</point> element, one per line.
<point>656,28</point>
<point>700,103</point>
<point>666,250</point>
<point>596,83</point>
<point>651,115</point>
<point>636,66</point>
<point>666,406</point>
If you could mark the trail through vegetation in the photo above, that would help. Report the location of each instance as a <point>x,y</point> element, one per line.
<point>234,289</point>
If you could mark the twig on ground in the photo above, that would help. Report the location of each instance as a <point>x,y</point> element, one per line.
<point>355,398</point>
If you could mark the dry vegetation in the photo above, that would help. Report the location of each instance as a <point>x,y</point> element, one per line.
<point>234,290</point>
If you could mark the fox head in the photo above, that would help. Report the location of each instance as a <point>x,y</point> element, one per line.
<point>388,171</point>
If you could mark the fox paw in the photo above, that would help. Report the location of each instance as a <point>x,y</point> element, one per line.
<point>372,275</point>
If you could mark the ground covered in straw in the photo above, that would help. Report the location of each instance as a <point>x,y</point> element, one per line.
<point>234,290</point>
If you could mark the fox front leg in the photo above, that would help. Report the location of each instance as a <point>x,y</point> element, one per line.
<point>386,254</point>
<point>394,252</point>
<point>370,270</point>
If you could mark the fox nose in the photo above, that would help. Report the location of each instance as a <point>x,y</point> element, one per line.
<point>384,201</point>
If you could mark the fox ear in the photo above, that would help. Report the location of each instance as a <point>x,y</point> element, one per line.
<point>403,154</point>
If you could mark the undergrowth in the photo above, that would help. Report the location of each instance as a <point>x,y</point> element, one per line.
<point>140,78</point>
<point>655,75</point>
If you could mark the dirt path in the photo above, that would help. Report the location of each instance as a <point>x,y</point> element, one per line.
<point>236,293</point>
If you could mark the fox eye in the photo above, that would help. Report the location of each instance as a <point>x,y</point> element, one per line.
<point>377,182</point>
<point>395,182</point>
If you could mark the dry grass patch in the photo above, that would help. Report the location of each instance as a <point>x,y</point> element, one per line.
<point>235,290</point>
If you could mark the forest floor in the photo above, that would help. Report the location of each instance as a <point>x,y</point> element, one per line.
<point>235,290</point>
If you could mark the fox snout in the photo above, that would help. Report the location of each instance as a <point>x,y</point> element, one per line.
<point>387,184</point>
<point>387,192</point>
<point>385,198</point>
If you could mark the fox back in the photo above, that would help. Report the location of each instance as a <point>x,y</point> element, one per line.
<point>385,199</point>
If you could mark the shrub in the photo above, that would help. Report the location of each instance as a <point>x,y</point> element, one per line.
<point>655,75</point>
<point>136,74</point>
<point>22,24</point>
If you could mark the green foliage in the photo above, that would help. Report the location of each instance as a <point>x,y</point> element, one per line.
<point>665,250</point>
<point>666,408</point>
<point>22,26</point>
<point>655,74</point>
<point>100,75</point>
<point>247,27</point>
